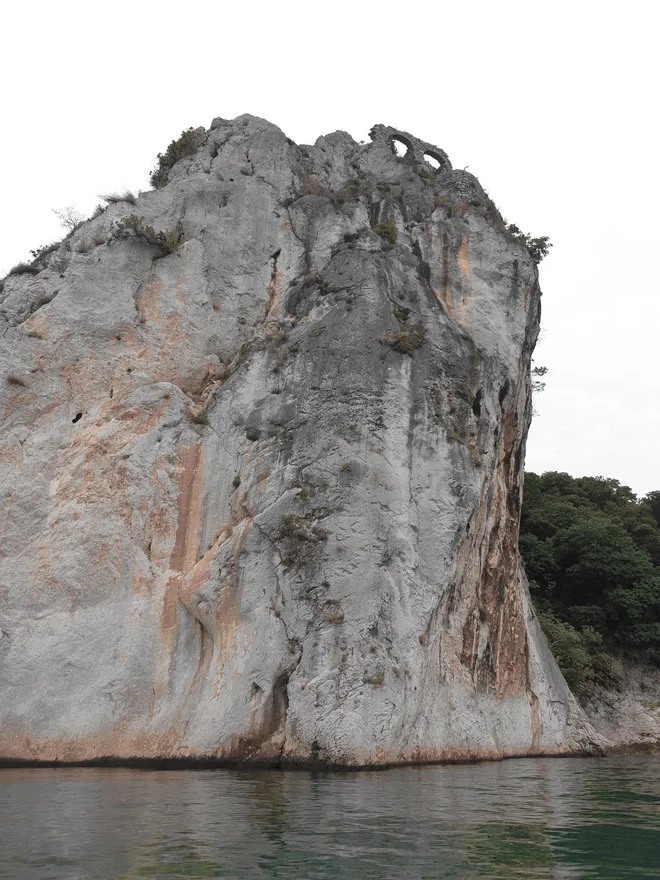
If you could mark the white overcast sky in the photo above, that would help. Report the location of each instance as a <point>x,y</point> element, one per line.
<point>554,106</point>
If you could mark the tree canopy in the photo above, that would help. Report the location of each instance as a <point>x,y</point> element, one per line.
<point>591,550</point>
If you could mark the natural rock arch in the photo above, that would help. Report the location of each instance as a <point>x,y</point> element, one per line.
<point>406,145</point>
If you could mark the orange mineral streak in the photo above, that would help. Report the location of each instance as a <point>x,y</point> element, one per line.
<point>45,570</point>
<point>162,526</point>
<point>149,301</point>
<point>228,612</point>
<point>193,581</point>
<point>143,419</point>
<point>441,251</point>
<point>463,264</point>
<point>94,469</point>
<point>219,610</point>
<point>180,289</point>
<point>36,326</point>
<point>221,621</point>
<point>21,399</point>
<point>184,555</point>
<point>101,479</point>
<point>182,559</point>
<point>12,453</point>
<point>173,333</point>
<point>84,378</point>
<point>199,575</point>
<point>463,260</point>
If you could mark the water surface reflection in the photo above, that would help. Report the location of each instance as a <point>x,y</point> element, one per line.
<point>558,818</point>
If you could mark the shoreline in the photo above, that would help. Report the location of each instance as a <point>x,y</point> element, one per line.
<point>173,764</point>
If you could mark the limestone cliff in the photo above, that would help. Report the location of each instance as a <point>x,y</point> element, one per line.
<point>260,494</point>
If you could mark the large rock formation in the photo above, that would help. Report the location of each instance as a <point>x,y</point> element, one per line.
<point>260,495</point>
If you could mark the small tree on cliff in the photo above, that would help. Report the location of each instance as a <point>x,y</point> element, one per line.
<point>537,247</point>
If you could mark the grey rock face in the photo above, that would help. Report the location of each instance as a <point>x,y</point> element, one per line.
<point>629,718</point>
<point>260,496</point>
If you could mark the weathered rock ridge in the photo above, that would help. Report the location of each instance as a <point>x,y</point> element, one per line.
<point>260,496</point>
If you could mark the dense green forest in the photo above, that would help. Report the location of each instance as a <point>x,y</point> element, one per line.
<point>591,551</point>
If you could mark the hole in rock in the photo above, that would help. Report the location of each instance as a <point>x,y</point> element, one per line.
<point>433,160</point>
<point>76,418</point>
<point>476,404</point>
<point>400,146</point>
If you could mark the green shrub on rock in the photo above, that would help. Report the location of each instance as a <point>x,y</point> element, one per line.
<point>185,145</point>
<point>44,250</point>
<point>577,654</point>
<point>387,230</point>
<point>537,247</point>
<point>135,227</point>
<point>296,528</point>
<point>407,341</point>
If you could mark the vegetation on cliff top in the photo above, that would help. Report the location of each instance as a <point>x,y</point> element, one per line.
<point>185,145</point>
<point>591,550</point>
<point>537,247</point>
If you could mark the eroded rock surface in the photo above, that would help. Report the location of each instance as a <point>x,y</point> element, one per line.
<point>260,496</point>
<point>629,718</point>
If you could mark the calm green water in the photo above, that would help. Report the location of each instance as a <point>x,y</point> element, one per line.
<point>559,818</point>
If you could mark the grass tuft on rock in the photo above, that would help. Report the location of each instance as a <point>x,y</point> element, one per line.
<point>116,197</point>
<point>387,231</point>
<point>24,269</point>
<point>407,341</point>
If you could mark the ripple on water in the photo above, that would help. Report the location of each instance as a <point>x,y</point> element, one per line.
<point>531,818</point>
